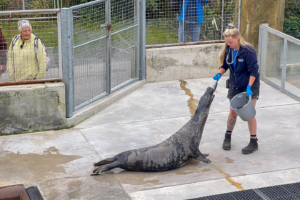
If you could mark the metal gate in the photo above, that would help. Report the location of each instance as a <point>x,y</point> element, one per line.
<point>102,44</point>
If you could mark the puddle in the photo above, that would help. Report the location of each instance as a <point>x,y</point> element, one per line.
<point>229,160</point>
<point>34,166</point>
<point>192,103</point>
<point>237,185</point>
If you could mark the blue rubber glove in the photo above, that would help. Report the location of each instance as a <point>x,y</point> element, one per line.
<point>249,92</point>
<point>217,76</point>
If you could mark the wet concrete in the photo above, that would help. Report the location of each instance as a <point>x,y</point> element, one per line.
<point>60,162</point>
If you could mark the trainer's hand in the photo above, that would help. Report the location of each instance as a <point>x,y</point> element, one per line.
<point>249,92</point>
<point>217,76</point>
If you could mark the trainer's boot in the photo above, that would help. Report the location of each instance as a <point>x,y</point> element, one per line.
<point>227,142</point>
<point>252,146</point>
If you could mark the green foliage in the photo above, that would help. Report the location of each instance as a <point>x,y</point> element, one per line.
<point>292,18</point>
<point>7,5</point>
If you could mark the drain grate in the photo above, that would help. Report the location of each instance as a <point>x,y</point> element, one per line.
<point>279,192</point>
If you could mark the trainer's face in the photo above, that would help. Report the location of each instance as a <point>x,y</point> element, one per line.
<point>26,33</point>
<point>233,42</point>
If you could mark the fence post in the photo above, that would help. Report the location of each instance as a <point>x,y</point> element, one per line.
<point>239,18</point>
<point>222,20</point>
<point>283,75</point>
<point>108,45</point>
<point>262,49</point>
<point>142,40</point>
<point>67,58</point>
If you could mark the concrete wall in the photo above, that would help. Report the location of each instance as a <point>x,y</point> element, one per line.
<point>183,62</point>
<point>32,107</point>
<point>39,107</point>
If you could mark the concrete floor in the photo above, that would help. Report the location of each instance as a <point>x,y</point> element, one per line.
<point>60,162</point>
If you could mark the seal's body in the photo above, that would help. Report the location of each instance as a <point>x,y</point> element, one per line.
<point>172,153</point>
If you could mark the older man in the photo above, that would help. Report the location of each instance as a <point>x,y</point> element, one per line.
<point>190,17</point>
<point>25,60</point>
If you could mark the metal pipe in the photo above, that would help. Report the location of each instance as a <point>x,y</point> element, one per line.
<point>30,18</point>
<point>108,46</point>
<point>124,84</point>
<point>67,56</point>
<point>239,22</point>
<point>87,4</point>
<point>184,44</point>
<point>222,20</point>
<point>23,4</point>
<point>60,66</point>
<point>89,102</point>
<point>29,82</point>
<point>283,74</point>
<point>29,12</point>
<point>89,42</point>
<point>280,34</point>
<point>142,55</point>
<point>138,13</point>
<point>183,21</point>
<point>124,29</point>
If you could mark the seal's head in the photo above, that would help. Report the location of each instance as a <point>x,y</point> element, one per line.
<point>204,103</point>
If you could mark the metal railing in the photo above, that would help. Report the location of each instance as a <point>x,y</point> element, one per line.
<point>180,21</point>
<point>279,60</point>
<point>103,42</point>
<point>26,62</point>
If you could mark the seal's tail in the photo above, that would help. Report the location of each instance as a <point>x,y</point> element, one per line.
<point>106,167</point>
<point>105,161</point>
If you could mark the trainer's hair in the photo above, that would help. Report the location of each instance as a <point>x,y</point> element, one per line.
<point>232,32</point>
<point>22,24</point>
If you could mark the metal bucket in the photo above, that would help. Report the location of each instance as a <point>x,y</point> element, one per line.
<point>243,106</point>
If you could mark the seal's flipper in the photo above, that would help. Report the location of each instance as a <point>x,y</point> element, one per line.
<point>105,161</point>
<point>205,155</point>
<point>202,157</point>
<point>106,167</point>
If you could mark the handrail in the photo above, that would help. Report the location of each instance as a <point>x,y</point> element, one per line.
<point>29,82</point>
<point>12,12</point>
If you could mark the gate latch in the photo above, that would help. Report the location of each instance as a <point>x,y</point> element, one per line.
<point>105,25</point>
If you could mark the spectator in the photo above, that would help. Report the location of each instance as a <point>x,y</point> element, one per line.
<point>26,55</point>
<point>3,49</point>
<point>190,18</point>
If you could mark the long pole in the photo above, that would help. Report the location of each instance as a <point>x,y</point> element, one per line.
<point>183,21</point>
<point>222,19</point>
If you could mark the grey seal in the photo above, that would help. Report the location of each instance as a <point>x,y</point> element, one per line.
<point>174,152</point>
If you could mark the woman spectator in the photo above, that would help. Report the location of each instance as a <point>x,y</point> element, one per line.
<point>26,55</point>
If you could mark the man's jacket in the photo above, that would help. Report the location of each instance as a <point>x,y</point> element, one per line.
<point>178,6</point>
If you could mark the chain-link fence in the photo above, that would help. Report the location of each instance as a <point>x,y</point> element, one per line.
<point>181,21</point>
<point>29,46</point>
<point>103,52</point>
<point>38,4</point>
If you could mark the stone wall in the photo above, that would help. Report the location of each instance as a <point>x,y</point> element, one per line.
<point>183,62</point>
<point>32,107</point>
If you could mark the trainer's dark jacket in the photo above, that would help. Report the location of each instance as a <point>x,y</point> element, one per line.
<point>246,66</point>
